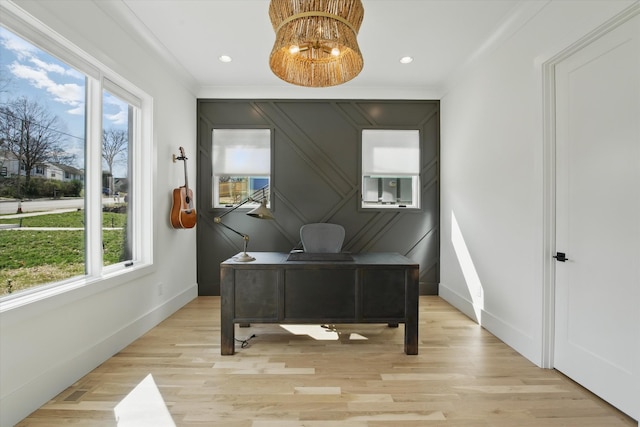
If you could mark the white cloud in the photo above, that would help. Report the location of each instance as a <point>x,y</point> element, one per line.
<point>46,66</point>
<point>38,78</point>
<point>68,93</point>
<point>77,111</point>
<point>41,73</point>
<point>121,116</point>
<point>56,68</point>
<point>15,44</point>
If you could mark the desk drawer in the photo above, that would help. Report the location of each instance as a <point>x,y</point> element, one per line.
<point>383,294</point>
<point>256,294</point>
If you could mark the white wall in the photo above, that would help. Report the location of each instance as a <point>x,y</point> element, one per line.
<point>491,149</point>
<point>492,175</point>
<point>48,345</point>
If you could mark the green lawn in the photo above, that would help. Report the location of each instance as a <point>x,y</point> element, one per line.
<point>34,257</point>
<point>67,219</point>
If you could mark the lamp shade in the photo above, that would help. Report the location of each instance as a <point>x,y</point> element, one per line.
<point>261,211</point>
<point>316,41</point>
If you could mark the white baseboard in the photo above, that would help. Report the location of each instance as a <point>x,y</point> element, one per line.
<point>458,301</point>
<point>515,338</point>
<point>18,404</point>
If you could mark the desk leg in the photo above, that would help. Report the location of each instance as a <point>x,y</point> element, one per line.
<point>411,311</point>
<point>227,328</point>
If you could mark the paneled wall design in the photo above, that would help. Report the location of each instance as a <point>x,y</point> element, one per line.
<point>315,178</point>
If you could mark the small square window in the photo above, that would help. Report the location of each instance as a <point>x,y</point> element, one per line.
<point>241,165</point>
<point>390,168</point>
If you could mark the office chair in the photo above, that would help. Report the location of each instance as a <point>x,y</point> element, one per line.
<point>322,237</point>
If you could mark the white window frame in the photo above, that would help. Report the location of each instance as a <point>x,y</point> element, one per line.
<point>98,77</point>
<point>397,162</point>
<point>251,171</point>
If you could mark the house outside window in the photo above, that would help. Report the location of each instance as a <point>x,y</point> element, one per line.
<point>390,165</point>
<point>241,165</point>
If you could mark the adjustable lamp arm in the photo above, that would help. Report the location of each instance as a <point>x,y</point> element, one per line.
<point>244,236</point>
<point>260,212</point>
<point>247,200</point>
<point>244,257</point>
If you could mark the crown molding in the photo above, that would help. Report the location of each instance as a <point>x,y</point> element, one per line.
<point>123,16</point>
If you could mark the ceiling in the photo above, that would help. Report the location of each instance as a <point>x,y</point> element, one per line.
<point>443,37</point>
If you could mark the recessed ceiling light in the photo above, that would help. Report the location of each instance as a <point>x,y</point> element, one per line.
<point>406,60</point>
<point>225,58</point>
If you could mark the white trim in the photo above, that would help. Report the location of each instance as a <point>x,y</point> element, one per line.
<point>119,12</point>
<point>521,14</point>
<point>99,76</point>
<point>549,170</point>
<point>93,178</point>
<point>56,295</point>
<point>548,215</point>
<point>117,90</point>
<point>38,391</point>
<point>144,182</point>
<point>503,330</point>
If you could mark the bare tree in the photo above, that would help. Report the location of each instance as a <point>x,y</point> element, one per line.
<point>30,132</point>
<point>63,157</point>
<point>114,148</point>
<point>5,82</point>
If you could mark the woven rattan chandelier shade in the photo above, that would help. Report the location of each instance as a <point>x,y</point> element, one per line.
<point>316,41</point>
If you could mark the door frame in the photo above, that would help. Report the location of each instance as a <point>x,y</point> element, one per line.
<point>549,177</point>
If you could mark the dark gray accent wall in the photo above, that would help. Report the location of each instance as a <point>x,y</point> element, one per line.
<point>316,178</point>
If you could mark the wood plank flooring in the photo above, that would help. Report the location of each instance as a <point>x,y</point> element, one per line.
<point>313,376</point>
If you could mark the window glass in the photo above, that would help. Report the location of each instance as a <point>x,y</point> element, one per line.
<point>116,178</point>
<point>241,165</point>
<point>42,154</point>
<point>390,168</point>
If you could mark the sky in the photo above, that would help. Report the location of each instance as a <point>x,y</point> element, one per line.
<point>29,71</point>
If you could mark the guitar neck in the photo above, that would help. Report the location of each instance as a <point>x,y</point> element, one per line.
<point>186,179</point>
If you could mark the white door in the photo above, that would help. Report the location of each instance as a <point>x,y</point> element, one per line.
<point>597,312</point>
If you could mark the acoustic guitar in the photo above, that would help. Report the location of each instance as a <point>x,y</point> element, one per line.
<point>183,212</point>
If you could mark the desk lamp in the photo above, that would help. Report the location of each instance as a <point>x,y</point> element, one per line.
<point>261,212</point>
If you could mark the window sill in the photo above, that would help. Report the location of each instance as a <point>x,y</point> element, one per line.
<point>22,307</point>
<point>389,206</point>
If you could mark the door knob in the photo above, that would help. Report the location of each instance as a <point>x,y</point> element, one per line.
<point>561,256</point>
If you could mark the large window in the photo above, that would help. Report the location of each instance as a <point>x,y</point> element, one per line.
<point>241,165</point>
<point>390,168</point>
<point>72,135</point>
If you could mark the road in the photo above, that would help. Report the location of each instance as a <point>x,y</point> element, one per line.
<point>41,205</point>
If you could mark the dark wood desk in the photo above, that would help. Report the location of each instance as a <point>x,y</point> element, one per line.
<point>372,288</point>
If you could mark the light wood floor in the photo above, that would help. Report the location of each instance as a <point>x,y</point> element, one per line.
<point>346,375</point>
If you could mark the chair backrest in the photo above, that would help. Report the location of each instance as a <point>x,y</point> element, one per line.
<point>322,237</point>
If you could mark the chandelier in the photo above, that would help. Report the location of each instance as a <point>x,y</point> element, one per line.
<point>316,44</point>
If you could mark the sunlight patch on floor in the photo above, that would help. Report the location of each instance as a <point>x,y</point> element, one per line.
<point>320,332</point>
<point>317,332</point>
<point>143,407</point>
